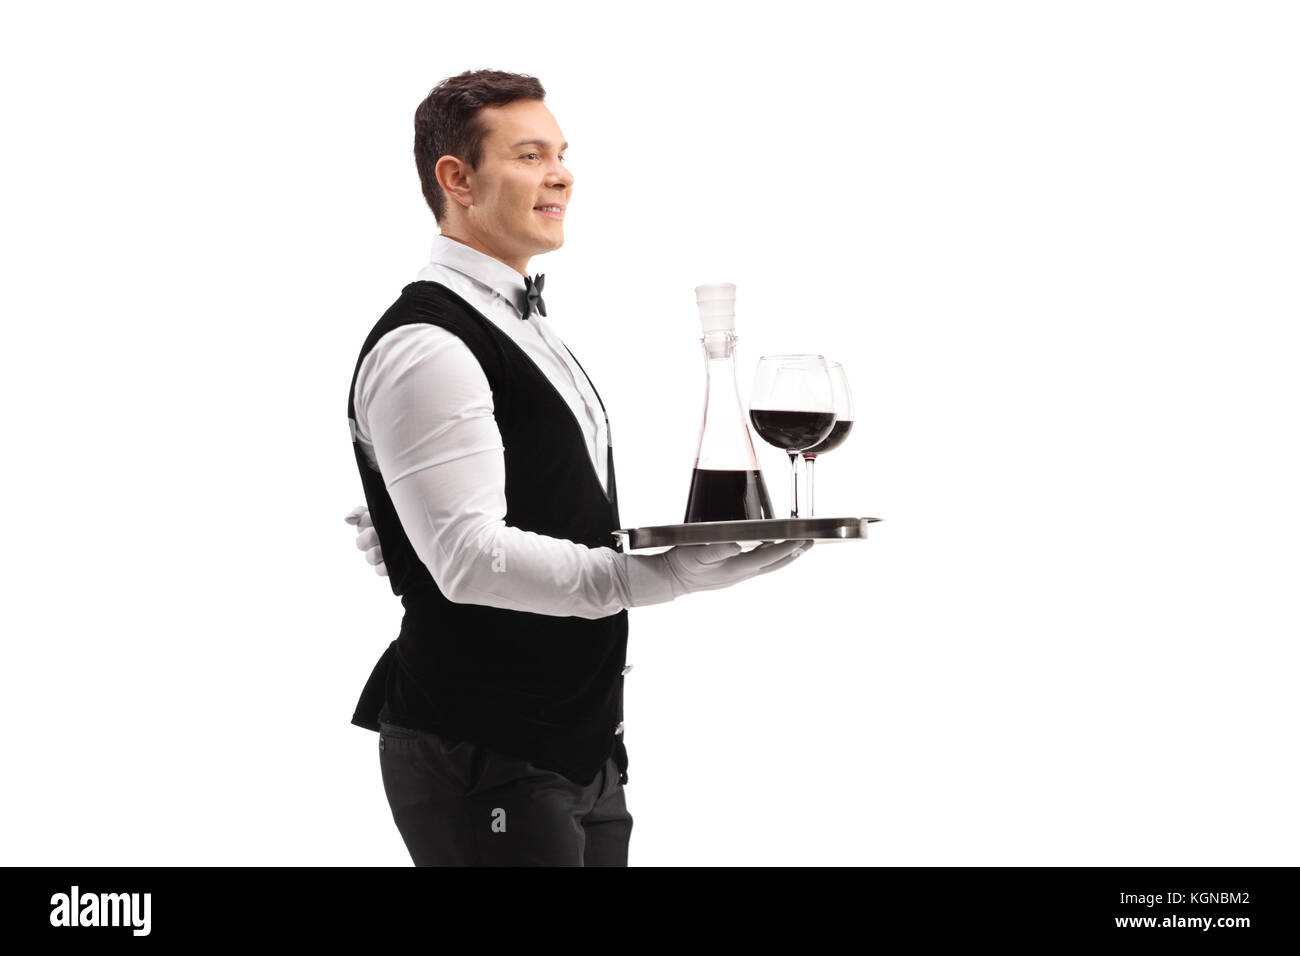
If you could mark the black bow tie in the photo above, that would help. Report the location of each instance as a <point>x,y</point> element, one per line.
<point>534,298</point>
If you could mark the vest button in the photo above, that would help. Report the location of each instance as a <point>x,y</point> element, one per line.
<point>619,728</point>
<point>627,668</point>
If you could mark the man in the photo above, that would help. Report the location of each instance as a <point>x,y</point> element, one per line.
<point>485,456</point>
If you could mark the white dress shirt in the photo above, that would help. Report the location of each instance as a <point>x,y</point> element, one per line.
<point>424,419</point>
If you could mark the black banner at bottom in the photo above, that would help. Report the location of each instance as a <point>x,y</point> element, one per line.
<point>1225,906</point>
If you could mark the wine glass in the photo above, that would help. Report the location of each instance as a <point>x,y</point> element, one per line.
<point>840,431</point>
<point>792,407</point>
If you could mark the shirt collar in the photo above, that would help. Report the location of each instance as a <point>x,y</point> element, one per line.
<point>482,268</point>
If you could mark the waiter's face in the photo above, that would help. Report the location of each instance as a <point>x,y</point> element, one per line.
<point>522,168</point>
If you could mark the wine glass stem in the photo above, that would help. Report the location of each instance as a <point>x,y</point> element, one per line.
<point>808,470</point>
<point>794,484</point>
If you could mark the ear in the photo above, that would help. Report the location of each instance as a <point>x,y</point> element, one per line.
<point>456,179</point>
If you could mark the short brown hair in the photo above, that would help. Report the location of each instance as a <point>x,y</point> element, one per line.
<point>448,122</point>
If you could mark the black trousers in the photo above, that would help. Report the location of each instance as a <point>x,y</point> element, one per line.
<point>457,803</point>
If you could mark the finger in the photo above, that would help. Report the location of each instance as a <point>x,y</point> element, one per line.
<point>354,515</point>
<point>799,544</point>
<point>367,539</point>
<point>365,520</point>
<point>375,556</point>
<point>381,569</point>
<point>766,554</point>
<point>713,553</point>
<point>792,556</point>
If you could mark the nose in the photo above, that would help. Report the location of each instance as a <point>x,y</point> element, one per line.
<point>560,176</point>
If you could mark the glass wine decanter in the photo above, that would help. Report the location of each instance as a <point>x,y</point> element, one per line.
<point>726,484</point>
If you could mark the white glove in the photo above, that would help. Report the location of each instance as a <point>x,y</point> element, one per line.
<point>367,538</point>
<point>704,567</point>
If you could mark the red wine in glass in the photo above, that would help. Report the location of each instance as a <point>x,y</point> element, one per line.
<point>791,431</point>
<point>837,435</point>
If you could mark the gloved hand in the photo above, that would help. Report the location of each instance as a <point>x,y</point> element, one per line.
<point>367,538</point>
<point>705,567</point>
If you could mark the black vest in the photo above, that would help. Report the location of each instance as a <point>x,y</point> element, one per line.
<point>545,688</point>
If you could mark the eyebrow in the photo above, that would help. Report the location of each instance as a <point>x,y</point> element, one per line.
<point>545,144</point>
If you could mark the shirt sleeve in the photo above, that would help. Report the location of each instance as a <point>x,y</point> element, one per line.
<point>424,402</point>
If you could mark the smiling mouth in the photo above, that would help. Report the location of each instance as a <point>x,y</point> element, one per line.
<point>556,212</point>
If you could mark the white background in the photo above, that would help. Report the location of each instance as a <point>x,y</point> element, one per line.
<point>1054,244</point>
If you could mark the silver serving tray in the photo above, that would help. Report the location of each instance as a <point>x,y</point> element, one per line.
<point>762,530</point>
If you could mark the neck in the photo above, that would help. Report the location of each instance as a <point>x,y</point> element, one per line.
<point>468,239</point>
